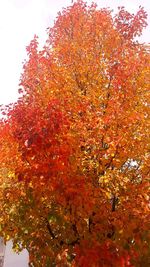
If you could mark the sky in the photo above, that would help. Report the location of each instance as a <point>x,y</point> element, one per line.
<point>12,259</point>
<point>20,20</point>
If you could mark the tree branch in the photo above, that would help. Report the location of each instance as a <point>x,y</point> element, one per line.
<point>50,230</point>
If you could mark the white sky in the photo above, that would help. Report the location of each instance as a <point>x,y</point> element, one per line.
<point>21,19</point>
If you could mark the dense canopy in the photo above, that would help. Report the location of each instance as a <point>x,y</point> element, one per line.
<point>74,148</point>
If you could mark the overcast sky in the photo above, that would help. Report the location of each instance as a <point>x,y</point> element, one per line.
<point>21,19</point>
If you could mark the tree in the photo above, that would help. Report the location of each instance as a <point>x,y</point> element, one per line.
<point>74,154</point>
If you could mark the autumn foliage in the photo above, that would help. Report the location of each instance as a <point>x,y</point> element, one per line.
<point>74,148</point>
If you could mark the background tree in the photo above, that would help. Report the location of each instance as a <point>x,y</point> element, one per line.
<point>75,147</point>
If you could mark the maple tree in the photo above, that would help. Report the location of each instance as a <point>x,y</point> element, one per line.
<point>74,179</point>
